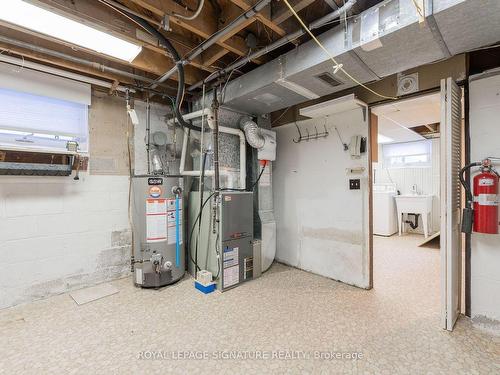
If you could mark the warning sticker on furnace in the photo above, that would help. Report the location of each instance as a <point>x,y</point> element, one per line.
<point>231,276</point>
<point>230,257</point>
<point>231,265</point>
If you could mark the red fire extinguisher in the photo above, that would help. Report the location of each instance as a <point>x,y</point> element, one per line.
<point>484,215</point>
<point>485,189</point>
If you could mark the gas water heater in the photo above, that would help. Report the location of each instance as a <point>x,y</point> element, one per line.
<point>157,208</point>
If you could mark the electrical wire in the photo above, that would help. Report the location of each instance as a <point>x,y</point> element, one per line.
<point>337,65</point>
<point>253,185</point>
<point>217,252</point>
<point>419,10</point>
<point>164,42</point>
<point>198,217</point>
<point>129,211</point>
<point>194,15</point>
<point>280,116</point>
<point>202,188</point>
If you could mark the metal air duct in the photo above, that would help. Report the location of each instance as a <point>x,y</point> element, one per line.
<point>388,38</point>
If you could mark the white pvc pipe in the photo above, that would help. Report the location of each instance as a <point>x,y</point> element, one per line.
<point>210,172</point>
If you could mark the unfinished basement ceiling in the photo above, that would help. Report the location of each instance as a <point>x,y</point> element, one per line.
<point>271,23</point>
<point>388,38</point>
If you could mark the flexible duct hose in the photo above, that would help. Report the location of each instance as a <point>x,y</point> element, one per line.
<point>252,133</point>
<point>178,63</point>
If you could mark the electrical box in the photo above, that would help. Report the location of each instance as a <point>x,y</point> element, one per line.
<point>223,244</point>
<point>268,152</point>
<point>354,184</point>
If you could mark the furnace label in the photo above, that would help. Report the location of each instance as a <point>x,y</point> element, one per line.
<point>231,267</point>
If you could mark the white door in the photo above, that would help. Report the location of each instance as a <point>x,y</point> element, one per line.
<point>451,237</point>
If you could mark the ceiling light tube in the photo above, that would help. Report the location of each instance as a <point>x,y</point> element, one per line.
<point>37,19</point>
<point>298,89</point>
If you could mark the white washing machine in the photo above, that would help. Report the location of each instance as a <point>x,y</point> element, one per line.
<point>384,210</point>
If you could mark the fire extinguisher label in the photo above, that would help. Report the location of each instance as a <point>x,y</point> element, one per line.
<point>487,199</point>
<point>486,182</point>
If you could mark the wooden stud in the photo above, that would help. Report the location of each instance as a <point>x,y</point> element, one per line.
<point>283,13</point>
<point>243,4</point>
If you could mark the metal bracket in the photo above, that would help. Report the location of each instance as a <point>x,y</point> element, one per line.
<point>165,23</point>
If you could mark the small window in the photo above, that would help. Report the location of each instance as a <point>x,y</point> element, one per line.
<point>409,154</point>
<point>34,122</point>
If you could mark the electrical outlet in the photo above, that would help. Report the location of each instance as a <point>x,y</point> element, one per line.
<point>354,184</point>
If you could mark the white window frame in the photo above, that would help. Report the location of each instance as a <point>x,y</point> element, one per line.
<point>425,145</point>
<point>19,132</point>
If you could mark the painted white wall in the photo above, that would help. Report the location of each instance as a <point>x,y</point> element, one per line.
<point>485,141</point>
<point>426,179</point>
<point>322,226</point>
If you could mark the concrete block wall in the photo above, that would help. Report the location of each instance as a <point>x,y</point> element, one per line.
<point>58,234</point>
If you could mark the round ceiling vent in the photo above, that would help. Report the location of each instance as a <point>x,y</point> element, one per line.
<point>407,84</point>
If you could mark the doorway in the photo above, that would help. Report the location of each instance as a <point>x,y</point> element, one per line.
<point>409,173</point>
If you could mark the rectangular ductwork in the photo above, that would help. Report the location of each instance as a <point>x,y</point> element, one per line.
<point>388,38</point>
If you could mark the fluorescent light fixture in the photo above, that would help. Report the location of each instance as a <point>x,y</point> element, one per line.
<point>45,22</point>
<point>384,139</point>
<point>332,107</point>
<point>298,89</point>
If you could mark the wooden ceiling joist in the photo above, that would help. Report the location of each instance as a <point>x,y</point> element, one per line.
<point>184,34</point>
<point>284,13</point>
<point>245,5</point>
<point>204,25</point>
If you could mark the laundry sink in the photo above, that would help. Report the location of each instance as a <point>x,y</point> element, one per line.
<point>414,204</point>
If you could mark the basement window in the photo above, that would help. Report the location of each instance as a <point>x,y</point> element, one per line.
<point>36,122</point>
<point>409,154</point>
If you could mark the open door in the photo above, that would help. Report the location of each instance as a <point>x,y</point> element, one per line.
<point>451,237</point>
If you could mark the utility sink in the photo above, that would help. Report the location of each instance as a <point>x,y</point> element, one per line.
<point>414,204</point>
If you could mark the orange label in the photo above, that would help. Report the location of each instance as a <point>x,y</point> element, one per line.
<point>155,191</point>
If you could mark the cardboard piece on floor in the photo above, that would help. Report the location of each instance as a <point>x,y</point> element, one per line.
<point>94,293</point>
<point>429,239</point>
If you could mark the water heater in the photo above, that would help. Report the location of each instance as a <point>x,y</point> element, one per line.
<point>157,207</point>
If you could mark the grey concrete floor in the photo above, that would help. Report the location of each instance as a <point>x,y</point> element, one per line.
<point>294,321</point>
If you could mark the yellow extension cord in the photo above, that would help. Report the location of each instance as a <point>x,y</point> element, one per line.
<point>337,65</point>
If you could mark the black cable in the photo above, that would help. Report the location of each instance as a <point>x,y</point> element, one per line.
<point>177,60</point>
<point>254,184</point>
<point>217,251</point>
<point>194,225</point>
<point>466,185</point>
<point>202,188</point>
